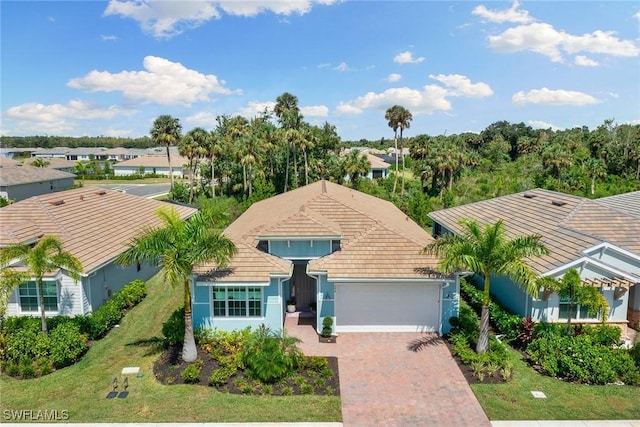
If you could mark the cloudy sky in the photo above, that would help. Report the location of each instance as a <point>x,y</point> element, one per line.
<point>110,68</point>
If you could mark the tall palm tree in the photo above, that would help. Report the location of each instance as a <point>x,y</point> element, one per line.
<point>177,246</point>
<point>596,169</point>
<point>47,256</point>
<point>192,146</point>
<point>166,131</point>
<point>488,252</point>
<point>288,114</point>
<point>400,118</point>
<point>356,165</point>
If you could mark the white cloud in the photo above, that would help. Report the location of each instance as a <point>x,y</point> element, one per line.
<point>253,108</point>
<point>203,119</point>
<point>427,100</point>
<point>553,97</point>
<point>542,38</point>
<point>637,16</point>
<point>325,65</point>
<point>165,19</point>
<point>164,82</point>
<point>393,77</point>
<point>119,133</point>
<point>459,85</point>
<point>108,38</point>
<point>74,109</point>
<point>539,124</point>
<point>583,61</point>
<point>407,58</point>
<point>500,16</point>
<point>341,67</point>
<point>315,111</point>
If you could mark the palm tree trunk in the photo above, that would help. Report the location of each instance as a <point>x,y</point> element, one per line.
<point>286,173</point>
<point>402,154</point>
<point>295,167</point>
<point>189,351</point>
<point>567,330</point>
<point>306,168</point>
<point>191,167</point>
<point>483,336</point>
<point>250,180</point>
<point>244,178</point>
<point>213,177</point>
<point>593,185</point>
<point>170,167</point>
<point>395,178</point>
<point>41,301</point>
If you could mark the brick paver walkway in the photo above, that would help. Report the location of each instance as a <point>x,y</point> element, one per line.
<point>385,383</point>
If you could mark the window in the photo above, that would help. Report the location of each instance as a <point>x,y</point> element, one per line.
<point>29,296</point>
<point>237,301</point>
<point>577,311</point>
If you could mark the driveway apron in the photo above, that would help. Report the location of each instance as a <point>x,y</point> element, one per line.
<point>396,379</point>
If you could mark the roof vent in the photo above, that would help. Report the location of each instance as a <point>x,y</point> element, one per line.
<point>530,195</point>
<point>57,202</point>
<point>558,203</point>
<point>100,193</point>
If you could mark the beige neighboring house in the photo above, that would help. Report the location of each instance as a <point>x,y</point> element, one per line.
<point>346,254</point>
<point>93,224</point>
<point>58,163</point>
<point>152,164</point>
<point>20,182</point>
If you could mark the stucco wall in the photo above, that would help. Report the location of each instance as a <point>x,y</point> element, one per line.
<point>300,248</point>
<point>24,191</point>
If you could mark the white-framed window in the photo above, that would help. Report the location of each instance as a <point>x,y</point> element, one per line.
<point>237,301</point>
<point>578,312</point>
<point>29,297</point>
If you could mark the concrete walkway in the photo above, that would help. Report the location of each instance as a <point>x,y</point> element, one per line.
<point>395,379</point>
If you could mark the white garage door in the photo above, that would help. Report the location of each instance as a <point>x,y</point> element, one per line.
<point>388,307</point>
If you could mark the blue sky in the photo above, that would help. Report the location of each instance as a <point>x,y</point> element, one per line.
<point>110,68</point>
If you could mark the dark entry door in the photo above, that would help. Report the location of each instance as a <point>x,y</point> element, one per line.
<point>303,287</point>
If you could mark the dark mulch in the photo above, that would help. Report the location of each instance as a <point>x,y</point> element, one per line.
<point>169,366</point>
<point>471,378</point>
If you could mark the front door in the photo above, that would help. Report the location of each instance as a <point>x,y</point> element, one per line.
<point>303,287</point>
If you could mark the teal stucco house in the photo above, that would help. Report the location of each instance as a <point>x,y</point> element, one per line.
<point>600,238</point>
<point>349,255</point>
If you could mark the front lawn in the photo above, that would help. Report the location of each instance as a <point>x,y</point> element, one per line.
<point>565,401</point>
<point>81,389</point>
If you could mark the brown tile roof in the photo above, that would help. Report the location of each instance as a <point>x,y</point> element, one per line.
<point>377,162</point>
<point>569,224</point>
<point>378,240</point>
<point>628,203</point>
<point>54,162</point>
<point>95,225</point>
<point>4,161</point>
<point>16,175</point>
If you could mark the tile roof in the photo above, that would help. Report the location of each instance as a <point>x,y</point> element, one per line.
<point>377,162</point>
<point>569,224</point>
<point>54,162</point>
<point>16,175</point>
<point>628,203</point>
<point>94,224</point>
<point>5,161</point>
<point>378,240</point>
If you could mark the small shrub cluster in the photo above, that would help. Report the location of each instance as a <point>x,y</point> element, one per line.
<point>173,328</point>
<point>503,321</point>
<point>226,347</point>
<point>191,374</point>
<point>269,356</point>
<point>27,352</point>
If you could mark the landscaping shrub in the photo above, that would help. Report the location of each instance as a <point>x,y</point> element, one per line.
<point>221,376</point>
<point>606,335</point>
<point>173,328</point>
<point>104,318</point>
<point>578,358</point>
<point>67,345</point>
<point>327,326</point>
<point>223,344</point>
<point>635,354</point>
<point>269,356</point>
<point>504,322</point>
<point>191,374</point>
<point>27,345</point>
<point>130,295</point>
<point>13,324</point>
<point>526,332</point>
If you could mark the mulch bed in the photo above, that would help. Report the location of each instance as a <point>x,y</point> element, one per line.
<point>169,366</point>
<point>467,371</point>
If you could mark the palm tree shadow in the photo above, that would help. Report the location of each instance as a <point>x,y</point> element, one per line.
<point>421,343</point>
<point>154,345</point>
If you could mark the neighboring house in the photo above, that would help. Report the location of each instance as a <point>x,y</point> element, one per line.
<point>354,257</point>
<point>58,163</point>
<point>10,153</point>
<point>152,164</point>
<point>20,182</point>
<point>379,168</point>
<point>120,154</point>
<point>600,238</point>
<point>95,225</point>
<point>87,154</point>
<point>60,152</point>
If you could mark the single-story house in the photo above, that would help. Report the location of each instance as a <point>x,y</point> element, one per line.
<point>152,164</point>
<point>349,255</point>
<point>20,182</point>
<point>600,238</point>
<point>95,225</point>
<point>58,163</point>
<point>379,168</point>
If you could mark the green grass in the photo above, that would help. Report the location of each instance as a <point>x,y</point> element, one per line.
<point>81,389</point>
<point>565,401</point>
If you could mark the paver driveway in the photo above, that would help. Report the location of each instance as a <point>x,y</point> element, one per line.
<point>384,381</point>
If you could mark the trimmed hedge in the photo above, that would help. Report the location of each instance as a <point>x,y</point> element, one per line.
<point>27,352</point>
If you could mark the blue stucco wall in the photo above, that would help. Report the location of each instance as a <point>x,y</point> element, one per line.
<point>508,294</point>
<point>300,248</point>
<point>450,306</point>
<point>272,310</point>
<point>326,307</point>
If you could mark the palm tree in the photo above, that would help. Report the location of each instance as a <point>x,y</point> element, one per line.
<point>489,252</point>
<point>288,114</point>
<point>398,117</point>
<point>177,246</point>
<point>40,163</point>
<point>166,131</point>
<point>192,146</point>
<point>596,169</point>
<point>45,257</point>
<point>356,165</point>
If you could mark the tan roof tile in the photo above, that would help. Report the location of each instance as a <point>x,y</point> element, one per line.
<point>15,175</point>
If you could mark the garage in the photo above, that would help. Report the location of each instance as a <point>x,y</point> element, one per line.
<point>387,307</point>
